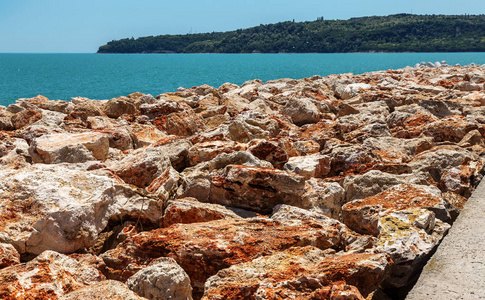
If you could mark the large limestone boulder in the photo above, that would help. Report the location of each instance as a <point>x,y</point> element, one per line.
<point>409,237</point>
<point>120,134</point>
<point>300,273</point>
<point>175,118</point>
<point>353,241</point>
<point>160,107</point>
<point>302,111</point>
<point>443,163</point>
<point>452,129</point>
<point>373,182</point>
<point>146,135</point>
<point>323,197</point>
<point>206,151</point>
<point>348,157</point>
<point>14,153</point>
<point>5,119</point>
<point>395,150</point>
<point>197,180</point>
<point>84,108</point>
<point>363,215</point>
<point>116,107</point>
<point>353,89</point>
<point>202,249</point>
<point>64,208</point>
<point>49,276</point>
<point>256,188</point>
<point>71,148</point>
<point>315,165</point>
<point>106,289</point>
<point>189,210</point>
<point>163,279</point>
<point>142,166</point>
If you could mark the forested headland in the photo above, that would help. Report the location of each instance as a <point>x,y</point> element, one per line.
<point>394,33</point>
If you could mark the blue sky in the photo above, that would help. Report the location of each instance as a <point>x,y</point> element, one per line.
<point>62,26</point>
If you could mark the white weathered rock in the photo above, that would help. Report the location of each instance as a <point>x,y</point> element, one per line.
<point>302,111</point>
<point>373,182</point>
<point>14,153</point>
<point>315,165</point>
<point>63,207</point>
<point>408,237</point>
<point>165,186</point>
<point>163,279</point>
<point>323,197</point>
<point>72,148</point>
<point>299,273</point>
<point>353,90</point>
<point>142,166</point>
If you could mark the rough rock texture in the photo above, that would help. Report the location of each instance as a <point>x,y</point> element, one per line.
<point>206,151</point>
<point>119,106</point>
<point>25,118</point>
<point>48,276</point>
<point>256,188</point>
<point>71,148</point>
<point>300,273</point>
<point>373,182</point>
<point>104,290</point>
<point>324,197</point>
<point>409,237</point>
<point>189,210</point>
<point>163,279</point>
<point>8,256</point>
<point>63,208</point>
<point>271,152</point>
<point>196,181</point>
<point>272,165</point>
<point>363,215</point>
<point>142,166</point>
<point>219,244</point>
<point>302,111</point>
<point>309,166</point>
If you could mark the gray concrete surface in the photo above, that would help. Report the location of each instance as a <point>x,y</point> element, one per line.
<point>457,269</point>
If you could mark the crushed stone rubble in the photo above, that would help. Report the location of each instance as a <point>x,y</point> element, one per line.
<point>337,187</point>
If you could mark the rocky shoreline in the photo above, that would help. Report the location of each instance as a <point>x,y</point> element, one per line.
<point>320,188</point>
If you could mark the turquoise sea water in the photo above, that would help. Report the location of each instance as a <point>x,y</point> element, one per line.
<point>104,76</point>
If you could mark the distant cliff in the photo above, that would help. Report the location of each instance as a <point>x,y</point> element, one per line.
<point>395,33</point>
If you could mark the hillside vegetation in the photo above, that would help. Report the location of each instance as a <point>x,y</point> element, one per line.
<point>395,33</point>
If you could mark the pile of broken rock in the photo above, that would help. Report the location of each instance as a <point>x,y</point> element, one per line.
<point>320,188</point>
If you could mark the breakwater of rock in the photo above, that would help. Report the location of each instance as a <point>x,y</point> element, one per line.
<point>318,188</point>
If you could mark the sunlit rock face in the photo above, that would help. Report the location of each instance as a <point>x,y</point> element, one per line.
<point>335,187</point>
<point>49,276</point>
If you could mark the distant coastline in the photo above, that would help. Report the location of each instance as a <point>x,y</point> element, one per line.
<point>387,34</point>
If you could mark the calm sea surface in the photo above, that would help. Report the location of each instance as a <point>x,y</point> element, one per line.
<point>104,76</point>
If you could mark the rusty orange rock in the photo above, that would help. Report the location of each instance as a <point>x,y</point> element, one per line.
<point>363,215</point>
<point>202,249</point>
<point>189,210</point>
<point>300,273</point>
<point>49,276</point>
